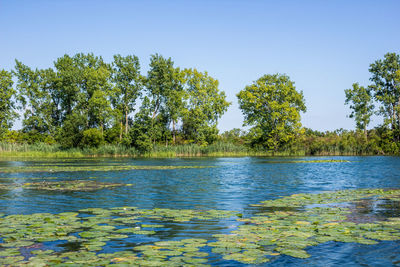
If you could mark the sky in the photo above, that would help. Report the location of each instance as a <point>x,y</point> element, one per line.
<point>324,46</point>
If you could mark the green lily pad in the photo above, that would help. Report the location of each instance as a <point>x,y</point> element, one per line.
<point>295,253</point>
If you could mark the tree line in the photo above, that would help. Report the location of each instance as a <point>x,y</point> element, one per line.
<point>83,101</point>
<point>272,105</point>
<point>384,90</point>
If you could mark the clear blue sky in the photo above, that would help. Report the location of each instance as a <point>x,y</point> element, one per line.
<point>324,46</point>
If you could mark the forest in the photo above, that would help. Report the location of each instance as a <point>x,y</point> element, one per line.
<point>84,105</point>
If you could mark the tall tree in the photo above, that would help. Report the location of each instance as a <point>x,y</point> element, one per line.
<point>94,88</point>
<point>68,76</point>
<point>97,90</point>
<point>165,90</point>
<point>7,102</point>
<point>140,132</point>
<point>100,108</point>
<point>360,101</point>
<point>272,105</point>
<point>386,87</point>
<point>35,98</point>
<point>128,84</point>
<point>204,106</point>
<point>84,83</point>
<point>175,100</point>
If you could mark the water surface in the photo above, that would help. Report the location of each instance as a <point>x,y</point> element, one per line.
<point>231,184</point>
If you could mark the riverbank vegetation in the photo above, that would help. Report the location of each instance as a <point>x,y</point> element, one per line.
<point>84,106</point>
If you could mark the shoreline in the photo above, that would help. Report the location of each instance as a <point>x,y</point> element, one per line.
<point>66,155</point>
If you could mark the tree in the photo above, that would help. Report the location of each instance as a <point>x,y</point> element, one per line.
<point>235,136</point>
<point>174,106</point>
<point>36,99</point>
<point>100,108</point>
<point>139,133</point>
<point>272,105</point>
<point>204,106</point>
<point>165,89</point>
<point>386,87</point>
<point>360,101</point>
<point>68,77</point>
<point>128,84</point>
<point>7,102</point>
<point>84,83</point>
<point>95,89</point>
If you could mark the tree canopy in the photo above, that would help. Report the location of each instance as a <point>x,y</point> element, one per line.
<point>85,101</point>
<point>272,105</point>
<point>360,101</point>
<point>7,102</point>
<point>386,87</point>
<point>205,105</point>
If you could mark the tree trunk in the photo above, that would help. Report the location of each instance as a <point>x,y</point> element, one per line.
<point>126,121</point>
<point>365,132</point>
<point>152,121</point>
<point>120,131</point>
<point>155,109</point>
<point>394,122</point>
<point>173,131</point>
<point>398,113</point>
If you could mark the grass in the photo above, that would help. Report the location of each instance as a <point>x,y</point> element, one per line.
<point>218,149</point>
<point>55,151</point>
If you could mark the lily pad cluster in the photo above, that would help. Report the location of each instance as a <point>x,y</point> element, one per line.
<point>284,226</point>
<point>308,161</point>
<point>30,239</point>
<point>67,168</point>
<point>290,232</point>
<point>72,185</point>
<point>342,196</point>
<point>175,253</point>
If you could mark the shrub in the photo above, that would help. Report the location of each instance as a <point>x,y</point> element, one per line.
<point>92,138</point>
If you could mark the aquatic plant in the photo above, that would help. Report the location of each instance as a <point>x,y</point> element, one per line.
<point>69,168</point>
<point>72,185</point>
<point>284,226</point>
<point>307,161</point>
<point>26,239</point>
<point>291,224</point>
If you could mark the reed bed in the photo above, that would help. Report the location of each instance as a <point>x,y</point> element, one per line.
<point>218,149</point>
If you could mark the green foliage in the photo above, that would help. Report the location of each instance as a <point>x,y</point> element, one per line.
<point>128,84</point>
<point>272,105</point>
<point>205,105</point>
<point>85,106</point>
<point>161,84</point>
<point>7,103</point>
<point>235,136</point>
<point>386,87</point>
<point>92,138</point>
<point>70,134</point>
<point>140,132</point>
<point>360,101</point>
<point>37,98</point>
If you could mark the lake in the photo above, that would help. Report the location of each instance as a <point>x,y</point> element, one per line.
<point>230,184</point>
